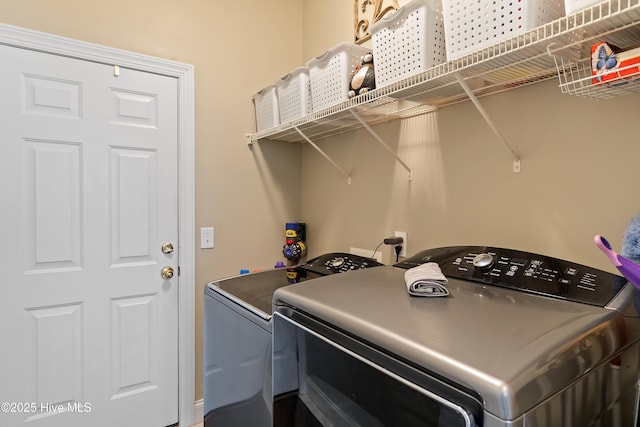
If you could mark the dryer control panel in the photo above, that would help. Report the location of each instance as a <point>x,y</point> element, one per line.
<point>523,271</point>
<point>337,262</point>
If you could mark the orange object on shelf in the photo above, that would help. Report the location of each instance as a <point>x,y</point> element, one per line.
<point>609,64</point>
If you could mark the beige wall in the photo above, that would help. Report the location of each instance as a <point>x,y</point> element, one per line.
<point>578,178</point>
<point>578,156</point>
<point>237,49</point>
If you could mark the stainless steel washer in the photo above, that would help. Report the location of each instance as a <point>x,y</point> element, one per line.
<point>522,340</point>
<point>237,338</point>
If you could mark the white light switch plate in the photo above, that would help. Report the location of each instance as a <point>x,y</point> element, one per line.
<point>206,238</point>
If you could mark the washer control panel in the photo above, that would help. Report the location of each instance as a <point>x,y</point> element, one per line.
<point>338,262</point>
<point>523,271</point>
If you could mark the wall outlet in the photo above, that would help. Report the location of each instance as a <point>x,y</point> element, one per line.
<point>403,234</point>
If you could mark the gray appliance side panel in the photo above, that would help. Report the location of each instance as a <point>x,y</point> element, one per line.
<point>237,358</point>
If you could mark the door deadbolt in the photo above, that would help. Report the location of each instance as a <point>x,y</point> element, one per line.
<point>167,248</point>
<point>166,272</point>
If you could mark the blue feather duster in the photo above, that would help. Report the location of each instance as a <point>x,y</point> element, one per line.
<point>631,240</point>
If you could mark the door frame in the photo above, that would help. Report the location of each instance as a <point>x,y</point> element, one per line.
<point>184,73</point>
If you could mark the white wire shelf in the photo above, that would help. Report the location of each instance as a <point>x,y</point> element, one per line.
<point>522,60</point>
<point>576,78</point>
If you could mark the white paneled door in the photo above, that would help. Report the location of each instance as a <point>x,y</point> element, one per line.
<point>88,157</point>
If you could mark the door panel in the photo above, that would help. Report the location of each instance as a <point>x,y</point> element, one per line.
<point>52,203</point>
<point>89,195</point>
<point>132,327</point>
<point>57,353</point>
<point>132,204</point>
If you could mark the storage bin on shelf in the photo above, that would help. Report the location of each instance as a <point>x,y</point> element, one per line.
<point>266,106</point>
<point>294,95</point>
<point>409,41</point>
<point>330,74</point>
<point>471,25</point>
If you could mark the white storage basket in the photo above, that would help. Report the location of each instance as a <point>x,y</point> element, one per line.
<point>407,42</point>
<point>266,106</point>
<point>572,6</point>
<point>330,74</point>
<point>294,95</point>
<point>471,25</point>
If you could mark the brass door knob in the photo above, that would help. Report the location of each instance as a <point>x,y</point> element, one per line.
<point>167,248</point>
<point>166,272</point>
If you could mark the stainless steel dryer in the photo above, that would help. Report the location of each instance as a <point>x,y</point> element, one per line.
<point>237,338</point>
<point>522,340</point>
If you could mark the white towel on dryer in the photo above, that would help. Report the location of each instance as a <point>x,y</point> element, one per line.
<point>426,280</point>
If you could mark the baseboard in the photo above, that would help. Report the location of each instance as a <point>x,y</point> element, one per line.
<point>198,411</point>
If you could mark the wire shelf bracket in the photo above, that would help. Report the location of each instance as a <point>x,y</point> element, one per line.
<point>381,141</point>
<point>487,118</point>
<point>325,155</point>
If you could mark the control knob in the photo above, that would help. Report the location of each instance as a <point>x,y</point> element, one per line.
<point>337,262</point>
<point>483,261</point>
